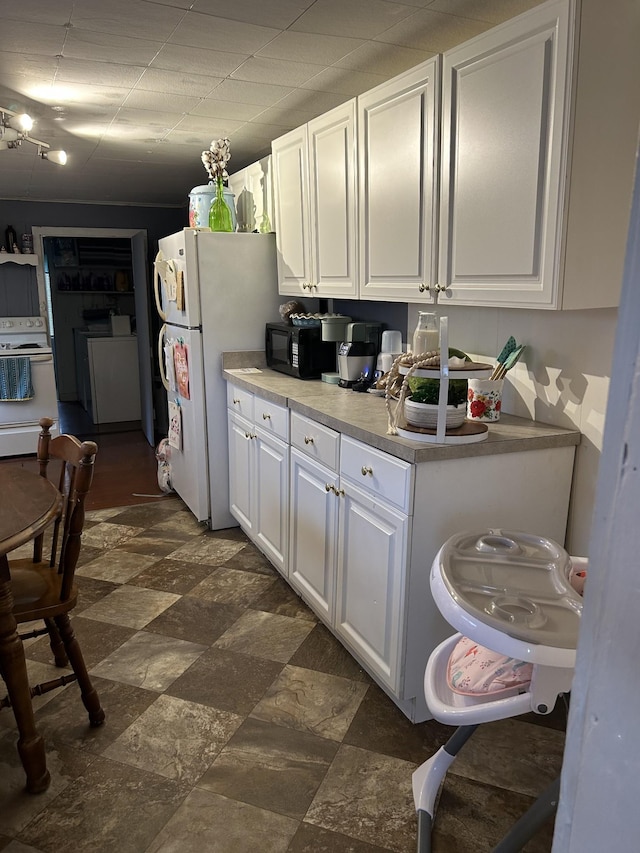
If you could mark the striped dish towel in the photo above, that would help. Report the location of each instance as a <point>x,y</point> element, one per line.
<point>15,379</point>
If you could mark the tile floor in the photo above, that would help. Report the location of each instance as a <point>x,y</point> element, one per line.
<point>235,721</point>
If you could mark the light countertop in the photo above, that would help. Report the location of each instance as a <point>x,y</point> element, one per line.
<point>364,416</point>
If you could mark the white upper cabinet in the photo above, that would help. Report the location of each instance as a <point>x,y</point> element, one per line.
<point>398,158</point>
<point>291,182</point>
<point>539,136</point>
<point>504,160</point>
<point>315,206</point>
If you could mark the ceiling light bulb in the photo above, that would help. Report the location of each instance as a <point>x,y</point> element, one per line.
<point>22,122</point>
<point>59,157</point>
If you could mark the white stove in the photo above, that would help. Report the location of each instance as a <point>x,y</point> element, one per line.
<point>26,337</point>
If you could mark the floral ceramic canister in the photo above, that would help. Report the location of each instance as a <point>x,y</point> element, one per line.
<point>484,399</point>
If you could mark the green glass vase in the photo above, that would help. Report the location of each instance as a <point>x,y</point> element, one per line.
<point>219,212</point>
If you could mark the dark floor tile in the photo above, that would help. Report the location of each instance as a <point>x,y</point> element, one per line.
<point>315,839</point>
<point>381,726</point>
<point>152,544</point>
<point>172,576</point>
<point>233,534</point>
<point>322,652</point>
<point>87,552</point>
<point>227,680</point>
<point>195,620</point>
<point>64,720</point>
<point>112,807</point>
<point>91,590</point>
<point>250,559</point>
<point>97,640</point>
<point>146,515</point>
<point>271,767</point>
<point>472,817</point>
<point>281,599</point>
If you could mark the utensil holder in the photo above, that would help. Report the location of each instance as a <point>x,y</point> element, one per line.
<point>484,399</point>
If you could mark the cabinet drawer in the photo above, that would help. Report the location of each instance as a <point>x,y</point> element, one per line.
<point>271,417</point>
<point>377,473</point>
<point>316,441</point>
<point>240,401</point>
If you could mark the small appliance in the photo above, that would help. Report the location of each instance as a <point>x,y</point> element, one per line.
<point>299,351</point>
<point>357,353</point>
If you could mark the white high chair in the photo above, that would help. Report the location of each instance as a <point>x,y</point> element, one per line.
<point>509,592</point>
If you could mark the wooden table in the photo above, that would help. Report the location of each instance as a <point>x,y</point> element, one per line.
<point>28,503</point>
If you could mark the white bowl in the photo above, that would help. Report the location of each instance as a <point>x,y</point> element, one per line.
<point>426,414</point>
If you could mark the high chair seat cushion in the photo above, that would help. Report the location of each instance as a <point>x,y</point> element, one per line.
<point>475,670</point>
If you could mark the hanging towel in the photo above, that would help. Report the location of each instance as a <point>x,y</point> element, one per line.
<point>15,378</point>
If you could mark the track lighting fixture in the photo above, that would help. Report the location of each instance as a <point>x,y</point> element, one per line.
<point>14,130</point>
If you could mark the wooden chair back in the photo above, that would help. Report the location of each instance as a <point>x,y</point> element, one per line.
<point>74,461</point>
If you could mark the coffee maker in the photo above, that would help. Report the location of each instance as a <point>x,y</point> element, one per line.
<point>357,353</point>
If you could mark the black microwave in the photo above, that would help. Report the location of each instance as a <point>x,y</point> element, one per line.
<point>299,350</point>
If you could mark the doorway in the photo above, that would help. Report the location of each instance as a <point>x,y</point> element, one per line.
<point>64,273</point>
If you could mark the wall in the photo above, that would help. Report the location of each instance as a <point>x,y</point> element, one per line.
<point>563,379</point>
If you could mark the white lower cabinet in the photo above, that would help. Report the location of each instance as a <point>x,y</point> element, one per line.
<point>259,478</point>
<point>355,530</point>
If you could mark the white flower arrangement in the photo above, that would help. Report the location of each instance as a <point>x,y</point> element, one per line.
<point>216,158</point>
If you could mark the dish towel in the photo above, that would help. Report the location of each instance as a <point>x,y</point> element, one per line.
<point>15,379</point>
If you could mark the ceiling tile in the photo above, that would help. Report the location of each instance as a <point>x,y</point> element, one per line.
<point>205,128</point>
<point>262,70</point>
<point>493,11</point>
<point>304,47</point>
<point>79,94</point>
<point>246,92</point>
<point>97,73</point>
<point>310,102</point>
<point>432,31</point>
<point>285,119</point>
<point>36,11</point>
<point>385,59</point>
<point>226,109</point>
<point>159,101</point>
<point>29,65</point>
<point>176,82</point>
<point>256,130</point>
<point>362,19</point>
<point>344,81</point>
<point>34,39</point>
<point>220,34</point>
<point>276,13</point>
<point>105,47</point>
<point>125,17</point>
<point>176,57</point>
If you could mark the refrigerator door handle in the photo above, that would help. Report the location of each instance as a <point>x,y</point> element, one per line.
<point>161,364</point>
<point>156,285</point>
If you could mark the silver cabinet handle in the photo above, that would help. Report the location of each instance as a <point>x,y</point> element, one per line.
<point>423,287</point>
<point>308,439</point>
<point>247,435</point>
<point>236,401</point>
<point>328,487</point>
<point>266,416</point>
<point>366,470</point>
<point>339,492</point>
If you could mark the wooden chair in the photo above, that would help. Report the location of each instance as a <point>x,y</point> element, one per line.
<point>45,589</point>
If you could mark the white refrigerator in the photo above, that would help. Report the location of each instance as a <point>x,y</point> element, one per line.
<point>214,293</point>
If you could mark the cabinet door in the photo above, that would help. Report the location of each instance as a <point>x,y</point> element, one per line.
<point>313,529</point>
<point>241,471</point>
<point>398,154</point>
<point>332,196</point>
<point>291,186</point>
<point>271,483</point>
<point>505,116</point>
<point>372,561</point>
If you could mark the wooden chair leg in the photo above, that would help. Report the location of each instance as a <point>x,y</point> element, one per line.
<point>57,646</point>
<point>72,647</point>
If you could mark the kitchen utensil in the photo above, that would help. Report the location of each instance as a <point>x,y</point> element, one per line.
<point>509,362</point>
<point>506,350</point>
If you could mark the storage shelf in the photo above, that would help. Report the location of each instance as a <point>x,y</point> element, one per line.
<point>27,260</point>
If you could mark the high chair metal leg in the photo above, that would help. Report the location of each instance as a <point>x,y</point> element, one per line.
<point>426,781</point>
<point>526,827</point>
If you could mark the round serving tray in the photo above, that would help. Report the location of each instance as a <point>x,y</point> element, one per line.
<point>468,433</point>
